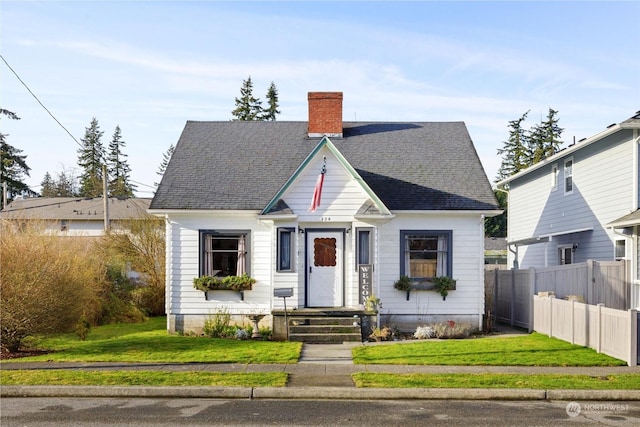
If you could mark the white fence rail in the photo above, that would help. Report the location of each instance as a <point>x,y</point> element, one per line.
<point>606,330</point>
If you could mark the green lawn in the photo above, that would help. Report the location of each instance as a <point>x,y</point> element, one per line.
<point>150,342</point>
<point>540,381</point>
<point>141,378</point>
<point>529,350</point>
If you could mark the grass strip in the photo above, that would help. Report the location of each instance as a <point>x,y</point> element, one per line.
<point>141,378</point>
<point>150,342</point>
<point>527,350</point>
<point>538,381</point>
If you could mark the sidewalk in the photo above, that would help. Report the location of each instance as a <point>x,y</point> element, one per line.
<point>323,372</point>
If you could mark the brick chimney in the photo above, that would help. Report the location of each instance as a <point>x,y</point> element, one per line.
<point>325,114</point>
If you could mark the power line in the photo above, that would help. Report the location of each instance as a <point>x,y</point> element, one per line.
<point>39,102</point>
<point>51,114</point>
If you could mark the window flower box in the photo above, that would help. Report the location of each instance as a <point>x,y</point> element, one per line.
<point>228,283</point>
<point>440,284</point>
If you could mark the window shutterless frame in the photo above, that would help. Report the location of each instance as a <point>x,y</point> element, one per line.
<point>568,175</point>
<point>433,247</point>
<point>554,177</point>
<point>364,246</point>
<point>285,243</point>
<point>223,244</point>
<point>620,249</point>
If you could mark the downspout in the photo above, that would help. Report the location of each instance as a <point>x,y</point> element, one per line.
<point>482,291</point>
<point>634,200</point>
<point>635,290</point>
<point>515,255</point>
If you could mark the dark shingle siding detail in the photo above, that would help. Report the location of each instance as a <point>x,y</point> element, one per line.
<point>242,165</point>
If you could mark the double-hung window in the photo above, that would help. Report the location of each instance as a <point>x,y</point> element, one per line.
<point>224,253</point>
<point>568,176</point>
<point>425,254</point>
<point>285,261</point>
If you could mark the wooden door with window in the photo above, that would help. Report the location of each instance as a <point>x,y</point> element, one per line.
<point>325,268</point>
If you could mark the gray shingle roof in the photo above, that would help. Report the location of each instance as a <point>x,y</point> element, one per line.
<point>240,165</point>
<point>75,208</point>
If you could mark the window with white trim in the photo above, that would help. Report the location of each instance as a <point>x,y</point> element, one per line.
<point>364,246</point>
<point>620,249</point>
<point>285,245</point>
<point>554,177</point>
<point>565,254</point>
<point>568,176</point>
<point>224,253</point>
<point>425,254</point>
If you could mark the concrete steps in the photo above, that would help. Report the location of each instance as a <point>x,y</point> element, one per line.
<point>325,329</point>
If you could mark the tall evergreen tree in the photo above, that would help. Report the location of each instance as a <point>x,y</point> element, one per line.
<point>523,149</point>
<point>544,138</point>
<point>515,150</point>
<point>272,99</point>
<point>496,226</point>
<point>248,107</point>
<point>166,156</point>
<point>13,165</point>
<point>66,185</point>
<point>118,169</point>
<point>91,160</point>
<point>48,186</point>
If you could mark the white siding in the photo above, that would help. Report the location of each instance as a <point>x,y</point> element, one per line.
<point>342,195</point>
<point>183,239</point>
<point>467,252</point>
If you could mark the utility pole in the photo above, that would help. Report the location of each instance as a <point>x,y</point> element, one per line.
<point>105,198</point>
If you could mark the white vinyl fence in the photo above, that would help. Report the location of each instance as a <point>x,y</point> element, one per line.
<point>596,282</point>
<point>606,330</point>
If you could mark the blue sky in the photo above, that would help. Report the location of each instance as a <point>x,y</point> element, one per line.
<point>149,66</point>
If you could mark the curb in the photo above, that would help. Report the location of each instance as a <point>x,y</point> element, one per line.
<point>125,391</point>
<point>321,393</point>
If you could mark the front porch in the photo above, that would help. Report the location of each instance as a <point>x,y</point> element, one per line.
<point>322,325</point>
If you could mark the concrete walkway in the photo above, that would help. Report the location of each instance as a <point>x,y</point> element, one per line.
<point>323,372</point>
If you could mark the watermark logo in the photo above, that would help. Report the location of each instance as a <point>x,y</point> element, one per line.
<point>573,409</point>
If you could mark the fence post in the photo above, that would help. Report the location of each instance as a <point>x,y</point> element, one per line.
<point>573,316</point>
<point>633,339</point>
<point>495,291</point>
<point>590,282</point>
<point>532,292</point>
<point>550,298</point>
<point>599,328</point>
<point>512,299</point>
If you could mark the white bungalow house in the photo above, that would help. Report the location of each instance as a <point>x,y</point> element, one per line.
<point>580,204</point>
<point>327,211</point>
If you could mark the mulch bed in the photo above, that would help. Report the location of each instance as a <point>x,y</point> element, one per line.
<point>6,355</point>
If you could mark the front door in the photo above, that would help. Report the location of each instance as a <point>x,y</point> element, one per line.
<point>324,268</point>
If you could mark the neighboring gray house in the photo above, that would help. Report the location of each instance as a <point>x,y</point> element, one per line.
<point>579,204</point>
<point>75,216</point>
<point>333,211</point>
<point>495,253</point>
